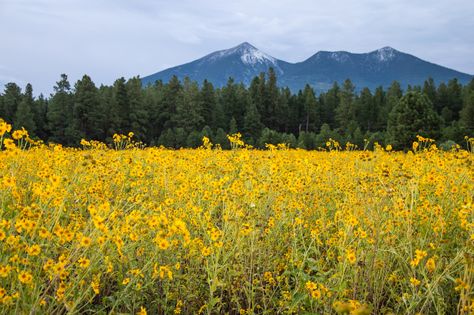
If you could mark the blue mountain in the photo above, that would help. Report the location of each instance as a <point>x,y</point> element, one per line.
<point>379,67</point>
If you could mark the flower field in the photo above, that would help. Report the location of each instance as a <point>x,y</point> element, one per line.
<point>157,231</point>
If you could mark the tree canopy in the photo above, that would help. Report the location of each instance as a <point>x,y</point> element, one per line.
<point>178,113</point>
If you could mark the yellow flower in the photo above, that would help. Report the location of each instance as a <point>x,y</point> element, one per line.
<point>4,127</point>
<point>415,282</point>
<point>95,286</point>
<point>25,277</point>
<point>17,134</point>
<point>162,243</point>
<point>206,251</point>
<point>83,262</point>
<point>34,250</point>
<point>165,271</point>
<point>85,143</point>
<point>43,233</point>
<point>9,144</point>
<point>246,229</point>
<point>430,265</point>
<point>311,285</point>
<point>86,241</point>
<point>142,311</point>
<point>316,294</point>
<point>4,271</point>
<point>419,255</point>
<point>351,256</point>
<point>126,281</point>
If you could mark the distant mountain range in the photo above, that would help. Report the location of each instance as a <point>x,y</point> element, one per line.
<point>379,67</point>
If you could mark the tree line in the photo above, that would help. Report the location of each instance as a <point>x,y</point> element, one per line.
<point>178,114</point>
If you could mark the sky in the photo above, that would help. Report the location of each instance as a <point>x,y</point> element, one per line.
<point>108,39</point>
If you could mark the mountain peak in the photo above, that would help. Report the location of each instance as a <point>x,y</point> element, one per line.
<point>246,45</point>
<point>386,53</point>
<point>248,54</point>
<point>372,69</point>
<point>387,48</point>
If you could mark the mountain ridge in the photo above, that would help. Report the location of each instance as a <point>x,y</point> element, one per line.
<point>379,67</point>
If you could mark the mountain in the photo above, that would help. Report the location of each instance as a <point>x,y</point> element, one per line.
<point>242,63</point>
<point>379,67</point>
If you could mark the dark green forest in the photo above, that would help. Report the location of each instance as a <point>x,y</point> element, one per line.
<point>178,114</point>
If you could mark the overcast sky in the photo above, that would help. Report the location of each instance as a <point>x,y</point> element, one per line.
<point>107,39</point>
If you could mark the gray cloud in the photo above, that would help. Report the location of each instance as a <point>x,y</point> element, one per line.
<point>108,39</point>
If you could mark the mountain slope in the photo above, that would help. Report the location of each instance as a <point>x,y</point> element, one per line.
<point>379,67</point>
<point>242,63</point>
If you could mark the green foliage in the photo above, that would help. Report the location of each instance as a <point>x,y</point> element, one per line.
<point>273,137</point>
<point>413,115</point>
<point>345,111</point>
<point>25,115</point>
<point>188,108</point>
<point>367,111</point>
<point>178,114</point>
<point>11,99</point>
<point>467,112</point>
<point>87,115</point>
<point>252,123</point>
<point>59,113</point>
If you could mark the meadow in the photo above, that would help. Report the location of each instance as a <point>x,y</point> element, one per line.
<point>132,230</point>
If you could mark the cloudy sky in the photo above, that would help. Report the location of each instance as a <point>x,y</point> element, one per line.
<point>107,39</point>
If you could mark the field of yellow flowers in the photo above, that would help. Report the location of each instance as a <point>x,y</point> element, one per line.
<point>206,231</point>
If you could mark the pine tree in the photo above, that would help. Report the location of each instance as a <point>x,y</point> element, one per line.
<point>258,95</point>
<point>467,113</point>
<point>40,110</point>
<point>413,115</point>
<point>271,96</point>
<point>311,110</point>
<point>324,135</point>
<point>221,139</point>
<point>294,114</point>
<point>1,106</point>
<point>111,121</point>
<point>345,111</point>
<point>231,103</point>
<point>455,100</point>
<point>138,115</point>
<point>252,123</point>
<point>11,99</point>
<point>429,88</point>
<point>59,114</point>
<point>233,126</point>
<point>394,93</point>
<point>367,113</point>
<point>87,120</point>
<point>120,113</point>
<point>330,103</point>
<point>379,104</point>
<point>153,98</point>
<point>442,98</point>
<point>220,119</point>
<point>167,107</point>
<point>188,108</point>
<point>24,116</point>
<point>167,139</point>
<point>180,137</point>
<point>208,103</point>
<point>282,111</point>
